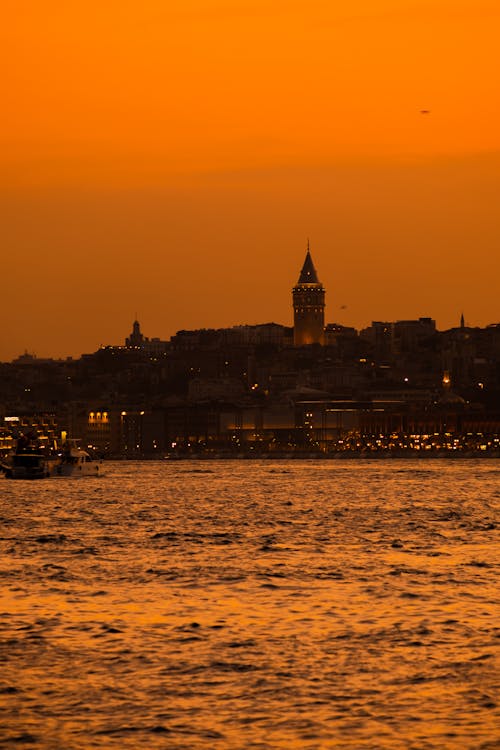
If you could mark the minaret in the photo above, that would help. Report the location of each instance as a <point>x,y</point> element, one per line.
<point>308,306</point>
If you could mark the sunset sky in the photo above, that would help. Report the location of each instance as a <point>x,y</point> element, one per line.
<point>170,158</point>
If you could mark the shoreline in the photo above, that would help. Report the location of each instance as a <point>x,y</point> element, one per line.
<point>333,456</point>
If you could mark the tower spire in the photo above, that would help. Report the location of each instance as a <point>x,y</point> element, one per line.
<point>308,274</point>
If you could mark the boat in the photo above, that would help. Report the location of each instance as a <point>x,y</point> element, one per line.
<point>77,462</point>
<point>29,463</point>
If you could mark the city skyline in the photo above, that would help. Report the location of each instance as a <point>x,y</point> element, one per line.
<point>308,324</point>
<point>172,159</point>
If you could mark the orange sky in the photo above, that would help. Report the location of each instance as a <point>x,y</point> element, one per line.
<point>171,157</point>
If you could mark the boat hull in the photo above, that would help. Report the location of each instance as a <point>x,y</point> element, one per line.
<point>23,473</point>
<point>87,469</point>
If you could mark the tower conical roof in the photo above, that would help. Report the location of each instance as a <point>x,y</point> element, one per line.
<point>308,274</point>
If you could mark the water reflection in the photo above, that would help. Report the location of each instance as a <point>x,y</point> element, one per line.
<point>252,605</point>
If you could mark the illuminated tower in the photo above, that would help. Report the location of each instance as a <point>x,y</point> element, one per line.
<point>308,306</point>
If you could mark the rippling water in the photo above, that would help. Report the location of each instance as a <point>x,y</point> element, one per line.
<point>252,604</point>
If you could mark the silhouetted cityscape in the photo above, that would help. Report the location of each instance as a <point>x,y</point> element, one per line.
<point>393,388</point>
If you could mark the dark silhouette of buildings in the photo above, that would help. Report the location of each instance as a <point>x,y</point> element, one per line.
<point>136,339</point>
<point>399,387</point>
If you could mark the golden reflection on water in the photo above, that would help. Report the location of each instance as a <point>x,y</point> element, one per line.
<point>163,607</point>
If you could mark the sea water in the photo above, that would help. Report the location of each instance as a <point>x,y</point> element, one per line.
<point>252,604</point>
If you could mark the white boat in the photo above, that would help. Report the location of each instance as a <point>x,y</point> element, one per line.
<point>76,462</point>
